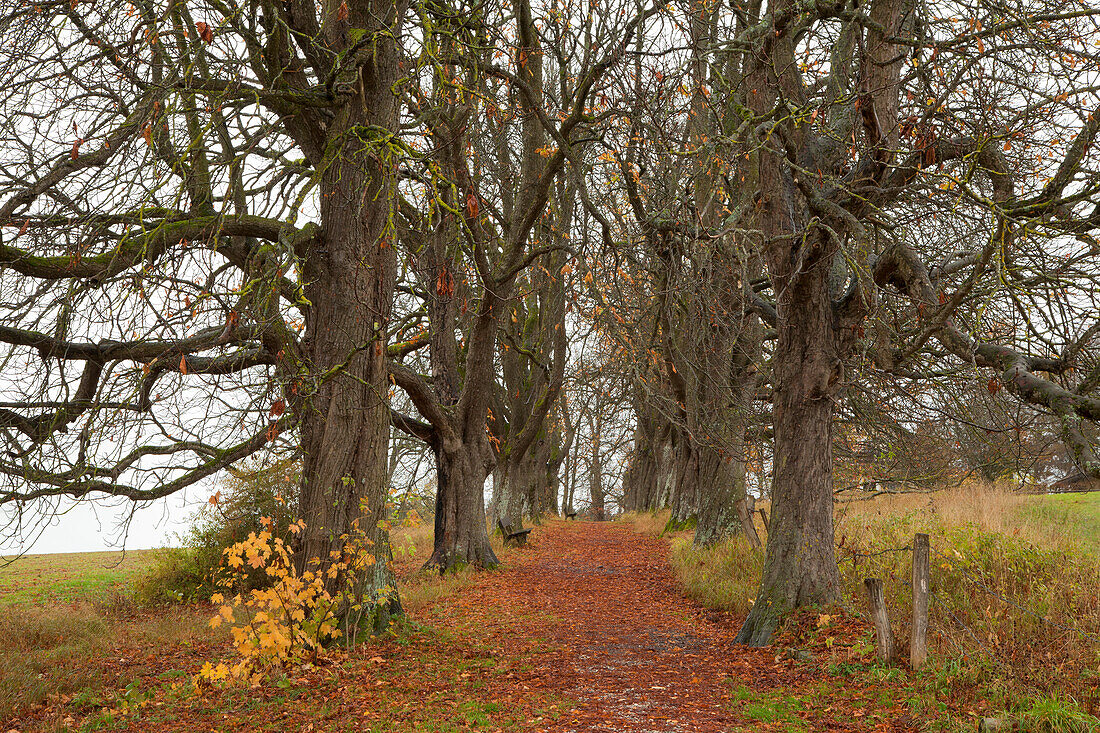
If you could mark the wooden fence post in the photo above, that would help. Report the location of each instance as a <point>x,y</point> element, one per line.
<point>884,634</point>
<point>918,639</point>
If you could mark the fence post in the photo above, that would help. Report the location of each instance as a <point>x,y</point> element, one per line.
<point>884,634</point>
<point>918,640</point>
<point>764,516</point>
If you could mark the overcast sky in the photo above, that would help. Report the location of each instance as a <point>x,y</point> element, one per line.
<point>87,527</point>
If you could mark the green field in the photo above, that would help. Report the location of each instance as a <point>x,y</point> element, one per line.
<point>69,577</point>
<point>1078,515</point>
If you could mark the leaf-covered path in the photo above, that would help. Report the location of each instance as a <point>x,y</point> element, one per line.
<point>633,654</point>
<point>586,629</point>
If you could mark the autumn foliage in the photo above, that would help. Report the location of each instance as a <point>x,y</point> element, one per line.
<point>298,614</point>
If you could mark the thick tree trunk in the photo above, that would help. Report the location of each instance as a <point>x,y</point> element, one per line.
<point>510,491</point>
<point>527,486</point>
<point>648,479</point>
<point>721,482</point>
<point>350,275</point>
<point>800,568</point>
<point>461,538</point>
<point>684,488</point>
<point>546,500</point>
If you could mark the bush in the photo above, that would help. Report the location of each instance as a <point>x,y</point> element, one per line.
<point>250,501</point>
<point>295,615</point>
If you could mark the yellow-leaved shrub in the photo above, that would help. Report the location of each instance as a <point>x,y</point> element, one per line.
<point>297,615</point>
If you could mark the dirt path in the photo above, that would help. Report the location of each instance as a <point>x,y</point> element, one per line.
<point>584,630</point>
<point>636,655</point>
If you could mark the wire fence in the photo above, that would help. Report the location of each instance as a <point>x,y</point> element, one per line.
<point>944,604</point>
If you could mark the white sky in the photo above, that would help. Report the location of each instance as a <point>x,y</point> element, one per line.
<point>87,527</point>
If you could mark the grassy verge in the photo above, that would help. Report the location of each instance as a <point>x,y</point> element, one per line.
<point>1015,618</point>
<point>60,661</point>
<point>70,630</point>
<point>1074,517</point>
<point>77,652</point>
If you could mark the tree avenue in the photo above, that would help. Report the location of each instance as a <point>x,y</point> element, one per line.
<point>506,229</point>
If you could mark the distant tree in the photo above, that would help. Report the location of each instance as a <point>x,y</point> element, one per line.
<point>920,181</point>
<point>505,111</point>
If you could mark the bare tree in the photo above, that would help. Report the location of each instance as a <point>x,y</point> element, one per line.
<point>199,257</point>
<point>501,138</point>
<point>920,181</point>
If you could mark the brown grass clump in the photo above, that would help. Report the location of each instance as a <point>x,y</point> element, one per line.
<point>647,523</point>
<point>76,653</point>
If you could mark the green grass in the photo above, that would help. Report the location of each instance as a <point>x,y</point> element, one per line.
<point>70,577</point>
<point>777,710</point>
<point>1078,515</point>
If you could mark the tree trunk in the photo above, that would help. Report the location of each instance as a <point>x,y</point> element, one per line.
<point>647,482</point>
<point>684,488</point>
<point>722,487</point>
<point>350,275</point>
<point>800,568</point>
<point>512,480</point>
<point>460,535</point>
<point>595,475</point>
<point>713,475</point>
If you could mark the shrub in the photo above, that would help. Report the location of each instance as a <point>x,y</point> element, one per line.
<point>247,500</point>
<point>293,616</point>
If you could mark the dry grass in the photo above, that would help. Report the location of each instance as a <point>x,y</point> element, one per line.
<point>1015,581</point>
<point>987,507</point>
<point>83,651</point>
<point>647,523</point>
<point>725,575</point>
<point>715,576</point>
<point>412,546</point>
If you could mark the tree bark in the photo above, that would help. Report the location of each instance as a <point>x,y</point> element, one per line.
<point>350,279</point>
<point>461,538</point>
<point>800,568</point>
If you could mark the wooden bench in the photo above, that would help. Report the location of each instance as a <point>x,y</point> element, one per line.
<point>519,537</point>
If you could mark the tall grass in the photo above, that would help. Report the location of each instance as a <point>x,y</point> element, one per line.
<point>1016,593</point>
<point>66,652</point>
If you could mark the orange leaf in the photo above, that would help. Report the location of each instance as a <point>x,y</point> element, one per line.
<point>183,364</point>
